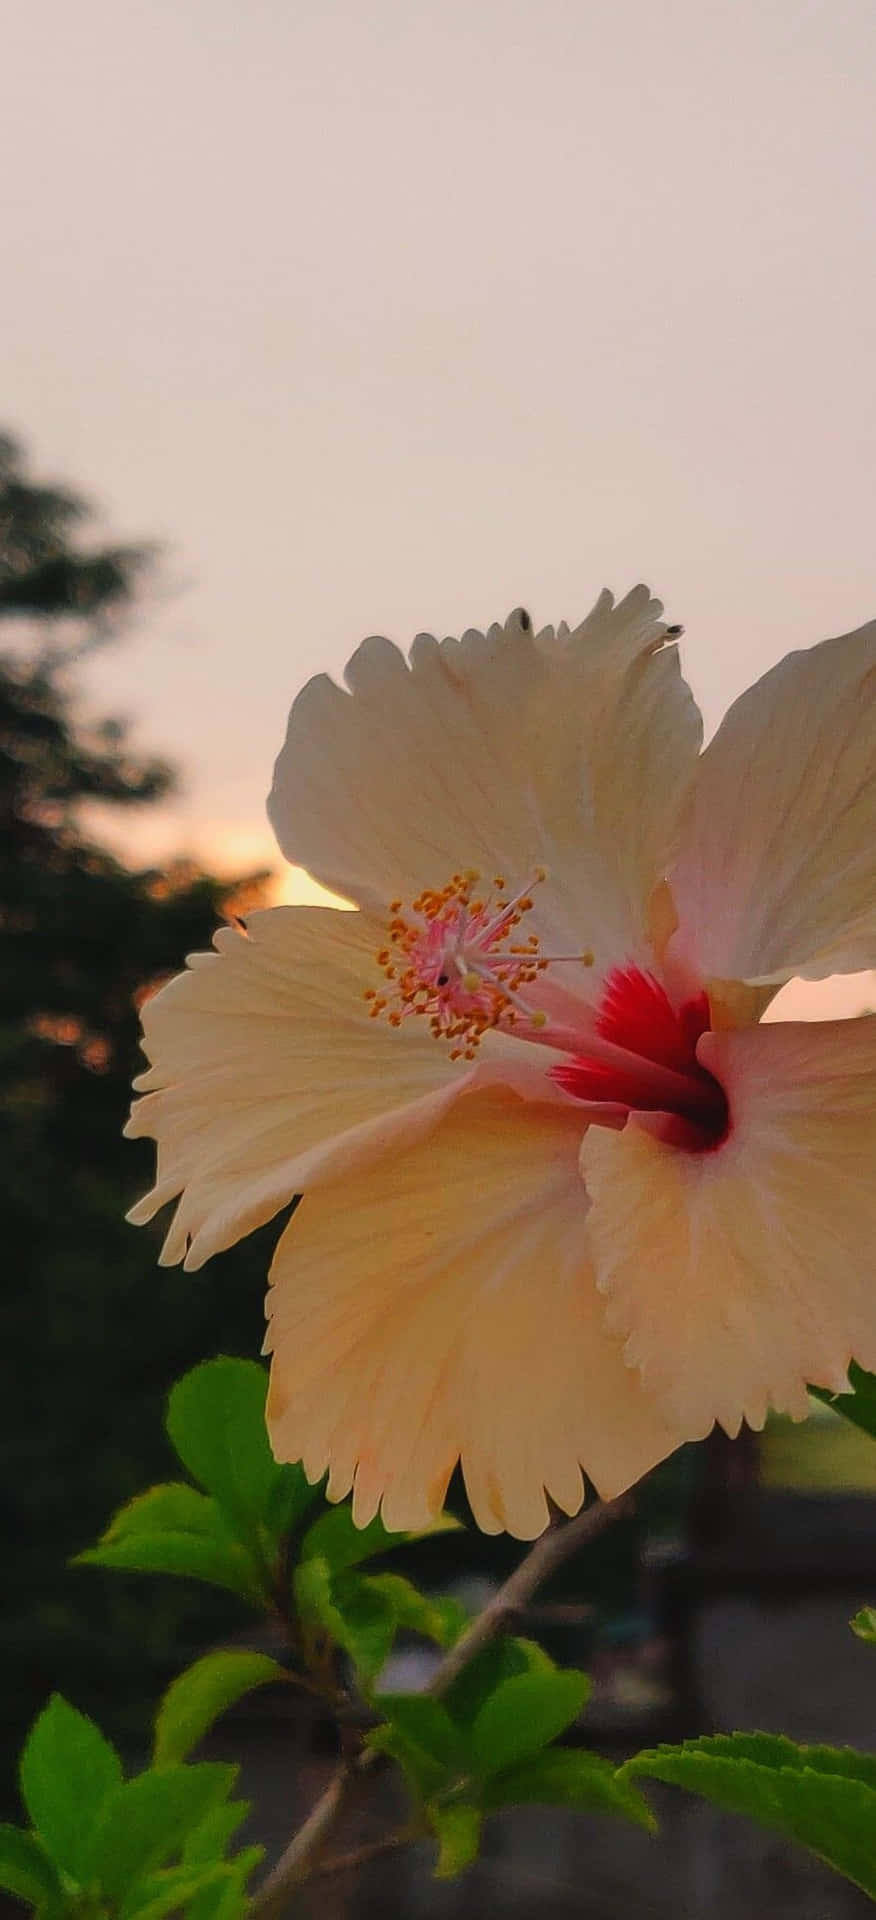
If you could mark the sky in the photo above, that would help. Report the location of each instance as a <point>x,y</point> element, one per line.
<point>390,317</point>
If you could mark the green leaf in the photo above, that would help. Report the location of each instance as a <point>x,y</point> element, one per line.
<point>360,1622</point>
<point>216,1421</point>
<point>428,1723</point>
<point>421,1736</point>
<point>366,1626</point>
<point>184,1554</point>
<point>568,1777</point>
<point>68,1772</point>
<point>523,1715</point>
<point>227,1900</point>
<point>501,1660</point>
<point>334,1537</point>
<point>146,1821</point>
<point>457,1829</point>
<point>208,1840</point>
<point>168,1892</point>
<point>441,1620</point>
<point>200,1694</point>
<point>25,1867</point>
<point>290,1498</point>
<point>205,1844</point>
<point>859,1406</point>
<point>174,1529</point>
<point>314,1599</point>
<point>363,1613</point>
<point>824,1797</point>
<point>172,1507</point>
<point>864,1624</point>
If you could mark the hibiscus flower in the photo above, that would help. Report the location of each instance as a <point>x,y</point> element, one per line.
<point>566,1202</point>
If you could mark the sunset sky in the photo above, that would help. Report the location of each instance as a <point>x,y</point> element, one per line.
<point>383,317</point>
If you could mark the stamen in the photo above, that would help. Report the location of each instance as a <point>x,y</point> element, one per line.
<point>450,956</point>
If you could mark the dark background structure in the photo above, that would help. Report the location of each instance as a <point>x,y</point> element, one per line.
<point>94,1332</point>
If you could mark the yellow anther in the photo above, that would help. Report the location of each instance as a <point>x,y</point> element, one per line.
<point>452,955</point>
<point>588,957</point>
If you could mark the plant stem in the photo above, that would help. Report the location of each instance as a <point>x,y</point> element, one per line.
<point>369,1850</point>
<point>299,1861</point>
<point>560,1541</point>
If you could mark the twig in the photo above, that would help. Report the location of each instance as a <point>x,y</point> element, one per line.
<point>369,1850</point>
<point>299,1861</point>
<point>556,1545</point>
<point>296,1862</point>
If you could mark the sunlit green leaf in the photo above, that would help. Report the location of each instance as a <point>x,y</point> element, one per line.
<point>188,1554</point>
<point>172,1507</point>
<point>68,1771</point>
<point>216,1421</point>
<point>824,1797</point>
<point>174,1529</point>
<point>194,1700</point>
<point>864,1624</point>
<point>523,1715</point>
<point>25,1867</point>
<point>145,1822</point>
<point>457,1828</point>
<point>568,1777</point>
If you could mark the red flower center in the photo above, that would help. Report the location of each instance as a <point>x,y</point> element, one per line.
<point>649,1064</point>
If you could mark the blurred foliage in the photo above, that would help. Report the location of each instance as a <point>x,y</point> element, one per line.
<point>824,1454</point>
<point>94,1331</point>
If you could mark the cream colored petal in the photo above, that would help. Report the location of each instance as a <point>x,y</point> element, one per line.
<point>269,1074</point>
<point>738,1276</point>
<point>505,752</point>
<point>443,1306</point>
<point>777,874</point>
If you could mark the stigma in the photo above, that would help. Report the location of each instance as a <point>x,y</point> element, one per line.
<point>456,958</point>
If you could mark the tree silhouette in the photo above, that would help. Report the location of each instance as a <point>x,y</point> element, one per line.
<point>94,1332</point>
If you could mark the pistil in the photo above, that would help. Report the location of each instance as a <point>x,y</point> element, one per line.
<point>451,958</point>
